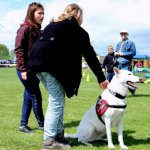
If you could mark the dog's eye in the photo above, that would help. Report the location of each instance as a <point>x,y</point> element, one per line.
<point>129,74</point>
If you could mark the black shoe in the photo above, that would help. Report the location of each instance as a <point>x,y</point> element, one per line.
<point>132,91</point>
<point>60,138</point>
<point>25,129</point>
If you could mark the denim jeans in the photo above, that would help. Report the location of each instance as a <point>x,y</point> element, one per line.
<point>32,99</point>
<point>55,111</point>
<point>110,76</point>
<point>126,66</point>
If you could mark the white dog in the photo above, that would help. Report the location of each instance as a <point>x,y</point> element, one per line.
<point>107,112</point>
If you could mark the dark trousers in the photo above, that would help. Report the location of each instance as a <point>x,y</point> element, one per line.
<point>32,99</point>
<point>110,76</point>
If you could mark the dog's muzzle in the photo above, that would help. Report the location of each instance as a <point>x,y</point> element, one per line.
<point>131,84</point>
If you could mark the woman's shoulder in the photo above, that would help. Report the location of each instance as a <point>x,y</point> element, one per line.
<point>24,28</point>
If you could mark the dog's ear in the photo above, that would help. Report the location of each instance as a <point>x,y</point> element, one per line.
<point>116,70</point>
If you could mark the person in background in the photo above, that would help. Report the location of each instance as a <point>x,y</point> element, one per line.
<point>27,34</point>
<point>138,64</point>
<point>109,62</point>
<point>56,57</point>
<point>125,50</point>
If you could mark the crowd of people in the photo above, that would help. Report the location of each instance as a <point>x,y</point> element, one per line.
<point>46,56</point>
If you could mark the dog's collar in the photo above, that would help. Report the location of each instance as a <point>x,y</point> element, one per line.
<point>116,94</point>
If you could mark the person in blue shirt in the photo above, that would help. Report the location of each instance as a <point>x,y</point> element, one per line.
<point>125,50</point>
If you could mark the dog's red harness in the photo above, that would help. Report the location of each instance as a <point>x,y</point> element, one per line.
<point>102,105</point>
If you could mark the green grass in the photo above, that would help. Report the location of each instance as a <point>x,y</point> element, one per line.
<point>136,121</point>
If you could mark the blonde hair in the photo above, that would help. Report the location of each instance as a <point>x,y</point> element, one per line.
<point>71,10</point>
<point>110,46</point>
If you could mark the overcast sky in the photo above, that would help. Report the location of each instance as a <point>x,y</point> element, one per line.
<point>103,20</point>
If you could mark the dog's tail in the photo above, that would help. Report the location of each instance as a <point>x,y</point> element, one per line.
<point>74,136</point>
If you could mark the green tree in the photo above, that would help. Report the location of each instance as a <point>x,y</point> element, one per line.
<point>12,55</point>
<point>4,52</point>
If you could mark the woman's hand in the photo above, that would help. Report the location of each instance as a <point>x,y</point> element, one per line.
<point>104,84</point>
<point>24,75</point>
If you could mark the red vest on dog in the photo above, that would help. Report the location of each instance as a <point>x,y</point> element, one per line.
<point>102,105</point>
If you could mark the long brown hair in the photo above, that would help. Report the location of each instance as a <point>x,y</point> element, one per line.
<point>71,10</point>
<point>30,13</point>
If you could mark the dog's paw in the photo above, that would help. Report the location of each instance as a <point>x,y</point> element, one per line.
<point>111,146</point>
<point>123,147</point>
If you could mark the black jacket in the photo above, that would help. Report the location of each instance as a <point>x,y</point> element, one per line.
<point>109,62</point>
<point>59,51</point>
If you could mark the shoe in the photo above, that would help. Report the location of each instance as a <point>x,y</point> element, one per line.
<point>25,129</point>
<point>60,138</point>
<point>51,143</point>
<point>132,91</point>
<point>41,128</point>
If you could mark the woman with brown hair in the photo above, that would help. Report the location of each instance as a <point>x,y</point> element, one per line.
<point>27,34</point>
<point>56,57</point>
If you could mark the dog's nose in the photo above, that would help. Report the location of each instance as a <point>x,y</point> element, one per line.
<point>141,80</point>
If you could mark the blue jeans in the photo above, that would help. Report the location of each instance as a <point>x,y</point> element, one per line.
<point>126,66</point>
<point>55,111</point>
<point>32,99</point>
<point>110,76</point>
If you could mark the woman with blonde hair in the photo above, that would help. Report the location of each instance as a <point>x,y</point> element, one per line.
<point>56,57</point>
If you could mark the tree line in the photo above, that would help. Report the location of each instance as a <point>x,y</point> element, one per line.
<point>5,54</point>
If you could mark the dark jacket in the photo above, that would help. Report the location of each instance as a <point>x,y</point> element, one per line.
<point>26,36</point>
<point>59,51</point>
<point>109,62</point>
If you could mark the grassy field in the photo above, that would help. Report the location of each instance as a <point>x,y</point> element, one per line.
<point>136,121</point>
